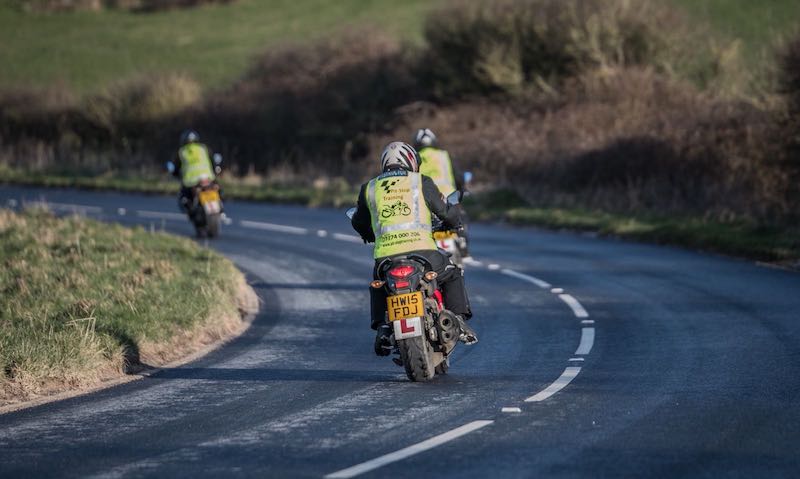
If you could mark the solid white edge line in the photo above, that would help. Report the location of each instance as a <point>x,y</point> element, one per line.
<point>409,451</point>
<point>538,282</point>
<point>566,377</point>
<point>66,206</point>
<point>273,227</point>
<point>587,341</point>
<point>160,215</point>
<point>350,238</point>
<point>574,305</point>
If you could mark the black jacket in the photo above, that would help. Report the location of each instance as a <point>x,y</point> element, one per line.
<point>362,221</point>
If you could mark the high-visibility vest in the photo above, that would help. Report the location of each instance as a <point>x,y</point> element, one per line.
<point>195,164</point>
<point>401,220</point>
<point>436,163</point>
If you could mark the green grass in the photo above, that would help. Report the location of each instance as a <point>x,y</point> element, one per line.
<point>80,298</point>
<point>213,44</point>
<point>756,24</point>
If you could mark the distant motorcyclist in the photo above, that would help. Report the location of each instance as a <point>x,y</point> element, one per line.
<point>437,163</point>
<point>401,183</point>
<point>193,163</point>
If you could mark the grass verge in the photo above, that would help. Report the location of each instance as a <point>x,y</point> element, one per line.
<point>83,302</point>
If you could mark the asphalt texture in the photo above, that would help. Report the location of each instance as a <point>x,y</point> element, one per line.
<point>683,365</point>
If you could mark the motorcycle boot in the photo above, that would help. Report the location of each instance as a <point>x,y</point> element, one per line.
<point>383,342</point>
<point>468,335</point>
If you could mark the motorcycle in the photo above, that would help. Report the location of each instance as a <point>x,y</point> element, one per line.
<point>424,332</point>
<point>205,209</point>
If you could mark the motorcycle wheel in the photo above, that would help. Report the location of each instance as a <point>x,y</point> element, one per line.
<point>212,226</point>
<point>416,356</point>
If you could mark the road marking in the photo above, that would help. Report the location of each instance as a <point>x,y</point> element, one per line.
<point>494,267</point>
<point>587,321</point>
<point>557,290</point>
<point>160,215</point>
<point>587,341</point>
<point>273,227</point>
<point>511,409</point>
<point>322,233</point>
<point>350,238</point>
<point>576,359</point>
<point>66,206</point>
<point>121,211</point>
<point>524,277</point>
<point>575,305</point>
<point>409,451</point>
<point>470,261</point>
<point>12,203</point>
<point>566,377</point>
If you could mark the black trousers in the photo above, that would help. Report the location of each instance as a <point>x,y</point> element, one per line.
<point>451,283</point>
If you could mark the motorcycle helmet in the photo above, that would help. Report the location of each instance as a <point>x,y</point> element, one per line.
<point>399,155</point>
<point>424,138</point>
<point>189,136</point>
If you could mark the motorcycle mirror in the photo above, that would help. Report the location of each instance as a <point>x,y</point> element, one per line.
<point>217,159</point>
<point>454,198</point>
<point>350,213</point>
<point>467,176</point>
<point>170,167</point>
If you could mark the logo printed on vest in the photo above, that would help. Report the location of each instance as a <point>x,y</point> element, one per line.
<point>399,208</point>
<point>387,185</point>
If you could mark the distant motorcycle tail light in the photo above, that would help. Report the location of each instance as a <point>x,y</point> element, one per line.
<point>401,271</point>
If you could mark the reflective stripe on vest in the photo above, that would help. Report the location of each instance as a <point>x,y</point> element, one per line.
<point>195,164</point>
<point>401,220</point>
<point>436,164</point>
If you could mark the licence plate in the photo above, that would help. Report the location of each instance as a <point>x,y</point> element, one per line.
<point>208,196</point>
<point>443,235</point>
<point>404,306</point>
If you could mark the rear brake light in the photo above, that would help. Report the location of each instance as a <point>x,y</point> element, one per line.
<point>401,284</point>
<point>401,271</point>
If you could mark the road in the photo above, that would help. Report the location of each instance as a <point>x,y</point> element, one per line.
<point>597,358</point>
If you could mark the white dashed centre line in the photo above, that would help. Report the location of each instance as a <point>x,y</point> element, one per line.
<point>350,238</point>
<point>294,230</point>
<point>566,377</point>
<point>587,341</point>
<point>524,277</point>
<point>409,451</point>
<point>574,305</point>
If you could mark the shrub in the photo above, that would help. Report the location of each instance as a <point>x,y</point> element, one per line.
<point>510,46</point>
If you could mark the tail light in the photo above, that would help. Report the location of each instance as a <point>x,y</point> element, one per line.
<point>401,271</point>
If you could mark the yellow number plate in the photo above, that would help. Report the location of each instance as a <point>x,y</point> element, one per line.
<point>443,235</point>
<point>208,196</point>
<point>405,306</point>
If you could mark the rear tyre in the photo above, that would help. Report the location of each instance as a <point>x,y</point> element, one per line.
<point>416,356</point>
<point>212,226</point>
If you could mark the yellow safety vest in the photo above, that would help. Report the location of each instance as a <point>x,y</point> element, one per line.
<point>195,164</point>
<point>436,163</point>
<point>401,220</point>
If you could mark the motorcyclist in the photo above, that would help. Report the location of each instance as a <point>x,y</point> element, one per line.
<point>192,164</point>
<point>437,163</point>
<point>400,180</point>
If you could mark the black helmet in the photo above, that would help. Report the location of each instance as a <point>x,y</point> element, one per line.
<point>424,138</point>
<point>189,136</point>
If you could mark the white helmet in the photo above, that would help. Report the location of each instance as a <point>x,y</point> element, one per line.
<point>424,137</point>
<point>399,155</point>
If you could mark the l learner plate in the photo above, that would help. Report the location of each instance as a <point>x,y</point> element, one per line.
<point>404,306</point>
<point>208,196</point>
